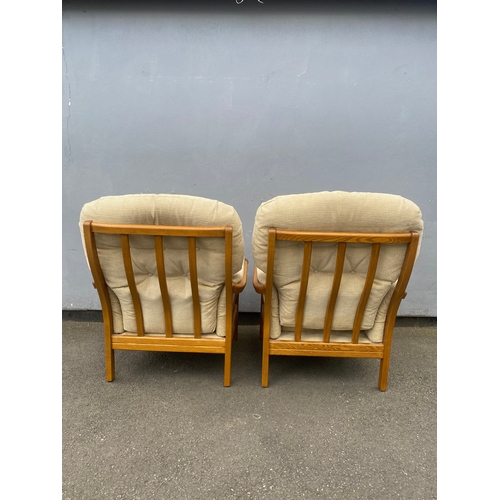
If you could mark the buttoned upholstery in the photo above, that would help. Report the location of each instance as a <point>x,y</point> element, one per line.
<point>336,211</point>
<point>167,210</point>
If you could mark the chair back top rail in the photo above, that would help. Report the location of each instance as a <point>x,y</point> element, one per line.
<point>347,237</point>
<point>157,230</point>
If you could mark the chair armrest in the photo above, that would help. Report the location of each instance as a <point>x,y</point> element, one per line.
<point>238,287</point>
<point>259,287</point>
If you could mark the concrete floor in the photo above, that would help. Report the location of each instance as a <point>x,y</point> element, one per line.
<point>166,427</point>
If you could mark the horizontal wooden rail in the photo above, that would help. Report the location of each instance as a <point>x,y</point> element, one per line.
<point>152,230</point>
<point>334,237</point>
<point>337,349</point>
<point>130,342</point>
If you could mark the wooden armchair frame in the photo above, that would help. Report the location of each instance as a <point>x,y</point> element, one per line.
<point>353,349</point>
<point>142,341</point>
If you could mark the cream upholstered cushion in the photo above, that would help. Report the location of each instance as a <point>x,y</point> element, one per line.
<point>332,211</point>
<point>168,210</point>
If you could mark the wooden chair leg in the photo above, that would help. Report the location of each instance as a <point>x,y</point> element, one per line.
<point>383,373</point>
<point>227,364</point>
<point>110,365</point>
<point>109,353</point>
<point>265,364</point>
<point>265,370</point>
<point>384,362</point>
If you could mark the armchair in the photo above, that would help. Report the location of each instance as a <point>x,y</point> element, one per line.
<point>168,270</point>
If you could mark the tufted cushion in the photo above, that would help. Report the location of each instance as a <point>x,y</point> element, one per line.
<point>168,210</point>
<point>332,211</point>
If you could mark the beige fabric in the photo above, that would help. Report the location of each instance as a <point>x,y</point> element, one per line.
<point>333,211</point>
<point>169,210</point>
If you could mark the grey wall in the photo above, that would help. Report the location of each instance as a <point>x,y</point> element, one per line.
<point>245,102</point>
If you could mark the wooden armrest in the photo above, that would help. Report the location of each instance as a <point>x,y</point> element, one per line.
<point>238,287</point>
<point>259,287</point>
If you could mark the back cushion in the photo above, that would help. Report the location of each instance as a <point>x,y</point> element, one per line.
<point>332,211</point>
<point>168,210</point>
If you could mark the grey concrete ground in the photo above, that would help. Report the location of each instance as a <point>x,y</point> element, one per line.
<point>166,427</point>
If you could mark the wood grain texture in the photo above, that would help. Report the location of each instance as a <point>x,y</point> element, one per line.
<point>162,280</point>
<point>326,348</point>
<point>304,281</point>
<point>129,271</point>
<point>337,278</point>
<point>144,341</point>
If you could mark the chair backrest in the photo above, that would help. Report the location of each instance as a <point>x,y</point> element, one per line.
<point>310,244</point>
<point>164,259</point>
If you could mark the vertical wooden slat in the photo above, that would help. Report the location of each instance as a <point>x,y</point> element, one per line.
<point>162,279</point>
<point>267,306</point>
<point>129,271</point>
<point>370,276</point>
<point>299,314</point>
<point>228,239</point>
<point>337,277</point>
<point>193,274</point>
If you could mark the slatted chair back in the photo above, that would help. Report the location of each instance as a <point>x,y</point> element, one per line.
<point>165,287</point>
<point>333,292</point>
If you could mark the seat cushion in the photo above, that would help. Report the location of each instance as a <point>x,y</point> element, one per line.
<point>168,210</point>
<point>336,211</point>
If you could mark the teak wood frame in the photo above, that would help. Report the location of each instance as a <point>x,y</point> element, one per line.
<point>142,341</point>
<point>352,349</point>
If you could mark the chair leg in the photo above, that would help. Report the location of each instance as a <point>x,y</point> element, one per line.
<point>265,364</point>
<point>383,373</point>
<point>265,370</point>
<point>227,364</point>
<point>110,365</point>
<point>384,362</point>
<point>109,353</point>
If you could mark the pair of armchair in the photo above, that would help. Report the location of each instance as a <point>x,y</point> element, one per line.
<point>331,268</point>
